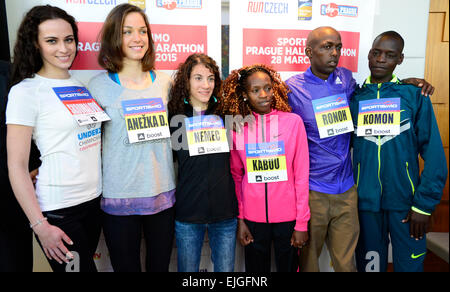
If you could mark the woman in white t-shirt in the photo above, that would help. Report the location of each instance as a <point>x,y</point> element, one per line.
<point>64,208</point>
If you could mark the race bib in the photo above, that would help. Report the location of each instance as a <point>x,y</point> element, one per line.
<point>206,135</point>
<point>81,105</point>
<point>266,162</point>
<point>332,116</point>
<point>146,119</point>
<point>379,117</point>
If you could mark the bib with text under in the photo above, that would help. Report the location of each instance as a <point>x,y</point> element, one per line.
<point>332,116</point>
<point>146,119</point>
<point>81,105</point>
<point>379,117</point>
<point>206,135</point>
<point>266,162</point>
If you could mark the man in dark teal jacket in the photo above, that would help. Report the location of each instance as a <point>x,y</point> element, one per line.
<point>394,124</point>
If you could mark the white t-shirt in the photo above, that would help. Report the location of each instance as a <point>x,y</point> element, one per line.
<point>70,173</point>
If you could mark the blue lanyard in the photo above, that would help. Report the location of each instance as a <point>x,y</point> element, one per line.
<point>115,77</point>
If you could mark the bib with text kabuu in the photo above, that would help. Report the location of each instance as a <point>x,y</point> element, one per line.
<point>266,162</point>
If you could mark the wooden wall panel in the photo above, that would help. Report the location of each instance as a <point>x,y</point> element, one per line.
<point>437,58</point>
<point>437,73</point>
<point>441,111</point>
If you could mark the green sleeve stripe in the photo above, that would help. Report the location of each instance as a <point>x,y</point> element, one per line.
<point>420,211</point>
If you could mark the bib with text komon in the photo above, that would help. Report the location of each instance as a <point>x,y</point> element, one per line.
<point>379,117</point>
<point>332,115</point>
<point>206,135</point>
<point>266,162</point>
<point>81,105</point>
<point>145,119</point>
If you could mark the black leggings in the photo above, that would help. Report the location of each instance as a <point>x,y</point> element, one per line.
<point>258,253</point>
<point>82,223</point>
<point>123,236</point>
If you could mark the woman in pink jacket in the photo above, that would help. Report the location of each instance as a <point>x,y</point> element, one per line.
<point>270,167</point>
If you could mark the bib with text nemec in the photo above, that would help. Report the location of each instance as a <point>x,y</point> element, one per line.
<point>379,117</point>
<point>81,105</point>
<point>146,119</point>
<point>332,116</point>
<point>266,162</point>
<point>206,135</point>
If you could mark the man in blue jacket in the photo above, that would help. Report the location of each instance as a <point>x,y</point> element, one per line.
<point>333,197</point>
<point>394,124</point>
<point>321,97</point>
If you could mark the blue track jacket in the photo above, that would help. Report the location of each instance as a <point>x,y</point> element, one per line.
<point>386,168</point>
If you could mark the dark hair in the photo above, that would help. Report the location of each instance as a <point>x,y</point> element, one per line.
<point>27,57</point>
<point>181,89</point>
<point>236,85</point>
<point>393,35</point>
<point>111,55</point>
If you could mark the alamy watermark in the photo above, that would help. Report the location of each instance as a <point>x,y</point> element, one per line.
<point>267,130</point>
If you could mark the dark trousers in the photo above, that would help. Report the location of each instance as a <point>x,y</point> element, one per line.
<point>123,236</point>
<point>82,223</point>
<point>16,237</point>
<point>16,249</point>
<point>258,253</point>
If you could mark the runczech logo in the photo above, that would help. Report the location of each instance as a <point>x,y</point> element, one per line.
<point>268,7</point>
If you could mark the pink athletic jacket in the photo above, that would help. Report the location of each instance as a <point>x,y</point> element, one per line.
<point>273,135</point>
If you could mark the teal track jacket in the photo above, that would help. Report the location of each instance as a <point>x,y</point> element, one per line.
<point>386,168</point>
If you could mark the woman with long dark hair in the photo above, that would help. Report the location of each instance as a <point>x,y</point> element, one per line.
<point>205,197</point>
<point>63,210</point>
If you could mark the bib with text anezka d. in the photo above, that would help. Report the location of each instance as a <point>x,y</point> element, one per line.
<point>146,119</point>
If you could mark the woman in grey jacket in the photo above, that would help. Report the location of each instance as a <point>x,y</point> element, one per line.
<point>138,174</point>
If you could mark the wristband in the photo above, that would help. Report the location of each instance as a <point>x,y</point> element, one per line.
<point>39,222</point>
